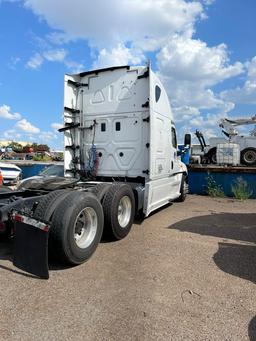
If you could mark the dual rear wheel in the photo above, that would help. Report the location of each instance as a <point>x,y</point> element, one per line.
<point>119,210</point>
<point>78,219</point>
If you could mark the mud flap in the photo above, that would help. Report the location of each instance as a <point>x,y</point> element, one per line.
<point>31,246</point>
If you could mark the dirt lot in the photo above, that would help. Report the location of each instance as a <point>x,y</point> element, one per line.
<point>185,273</point>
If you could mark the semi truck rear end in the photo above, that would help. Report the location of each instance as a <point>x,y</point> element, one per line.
<point>120,160</point>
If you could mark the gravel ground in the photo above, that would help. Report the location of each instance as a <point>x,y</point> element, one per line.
<point>185,273</point>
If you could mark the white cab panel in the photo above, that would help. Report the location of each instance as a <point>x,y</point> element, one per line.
<point>121,144</point>
<point>112,103</point>
<point>164,172</point>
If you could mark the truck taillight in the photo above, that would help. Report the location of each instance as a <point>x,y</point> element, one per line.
<point>1,179</point>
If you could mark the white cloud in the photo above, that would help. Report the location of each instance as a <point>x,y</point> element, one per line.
<point>246,94</point>
<point>5,112</point>
<point>251,66</point>
<point>56,126</point>
<point>57,38</point>
<point>27,135</point>
<point>13,63</point>
<point>143,25</point>
<point>208,2</point>
<point>52,55</point>
<point>27,127</point>
<point>185,113</point>
<point>74,66</point>
<point>192,60</point>
<point>124,30</point>
<point>55,55</point>
<point>209,121</point>
<point>119,55</point>
<point>35,61</point>
<point>24,130</point>
<point>11,134</point>
<point>46,136</point>
<point>189,68</point>
<point>108,23</point>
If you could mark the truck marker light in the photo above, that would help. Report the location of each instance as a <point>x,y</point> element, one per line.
<point>18,218</point>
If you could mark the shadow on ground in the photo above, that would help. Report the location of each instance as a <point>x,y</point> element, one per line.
<point>238,226</point>
<point>252,329</point>
<point>237,259</point>
<point>6,253</point>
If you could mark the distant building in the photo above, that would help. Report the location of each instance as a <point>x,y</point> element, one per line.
<point>8,142</point>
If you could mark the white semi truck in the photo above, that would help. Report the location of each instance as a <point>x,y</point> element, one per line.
<point>120,159</point>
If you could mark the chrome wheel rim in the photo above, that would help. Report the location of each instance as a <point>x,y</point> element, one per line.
<point>85,227</point>
<point>124,211</point>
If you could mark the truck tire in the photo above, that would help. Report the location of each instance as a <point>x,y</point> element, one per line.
<point>212,155</point>
<point>100,190</point>
<point>6,230</point>
<point>76,228</point>
<point>119,210</point>
<point>183,189</point>
<point>7,227</point>
<point>248,156</point>
<point>48,203</point>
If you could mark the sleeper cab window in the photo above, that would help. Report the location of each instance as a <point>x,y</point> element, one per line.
<point>157,93</point>
<point>103,126</point>
<point>118,126</point>
<point>174,138</point>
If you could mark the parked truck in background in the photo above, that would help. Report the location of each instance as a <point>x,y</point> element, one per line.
<point>245,144</point>
<point>120,159</point>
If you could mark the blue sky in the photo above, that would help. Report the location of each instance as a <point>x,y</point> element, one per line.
<point>204,51</point>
